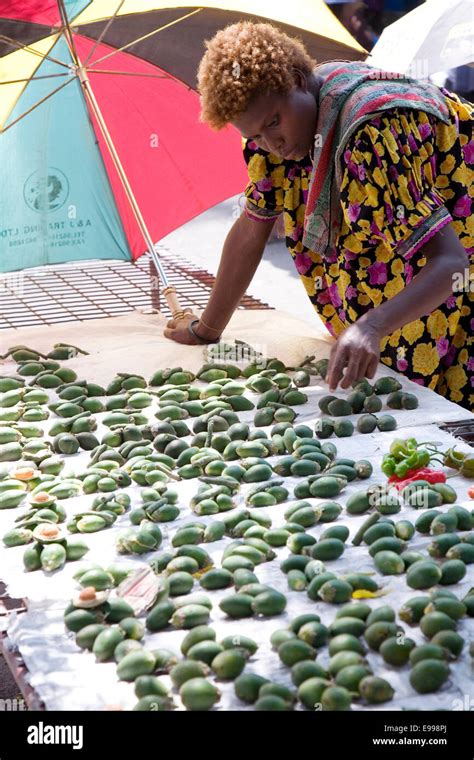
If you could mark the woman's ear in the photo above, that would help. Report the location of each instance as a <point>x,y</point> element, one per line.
<point>300,79</point>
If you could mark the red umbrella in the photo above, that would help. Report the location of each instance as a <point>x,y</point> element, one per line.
<point>119,74</point>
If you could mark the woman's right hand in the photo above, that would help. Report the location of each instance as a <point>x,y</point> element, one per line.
<point>180,333</point>
<point>233,277</point>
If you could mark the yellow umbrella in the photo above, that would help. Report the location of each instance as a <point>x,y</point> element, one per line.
<point>87,40</point>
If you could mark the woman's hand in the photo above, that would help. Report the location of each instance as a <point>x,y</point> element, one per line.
<point>357,351</point>
<point>180,333</point>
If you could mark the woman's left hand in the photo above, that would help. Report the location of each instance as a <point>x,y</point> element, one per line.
<point>355,354</point>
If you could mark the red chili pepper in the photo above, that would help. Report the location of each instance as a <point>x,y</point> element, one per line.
<point>402,483</point>
<point>432,476</point>
<point>410,473</point>
<point>422,473</point>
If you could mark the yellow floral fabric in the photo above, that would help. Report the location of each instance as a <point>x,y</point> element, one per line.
<point>405,176</point>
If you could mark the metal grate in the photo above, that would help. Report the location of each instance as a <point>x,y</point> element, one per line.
<point>464,430</point>
<point>91,290</point>
<point>96,289</point>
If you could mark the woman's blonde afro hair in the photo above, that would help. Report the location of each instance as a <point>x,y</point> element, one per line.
<point>245,60</point>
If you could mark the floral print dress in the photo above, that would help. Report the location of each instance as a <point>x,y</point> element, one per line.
<point>405,176</point>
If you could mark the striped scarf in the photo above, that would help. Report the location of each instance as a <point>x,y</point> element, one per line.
<point>352,93</point>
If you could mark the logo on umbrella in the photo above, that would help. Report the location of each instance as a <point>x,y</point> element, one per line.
<point>46,192</point>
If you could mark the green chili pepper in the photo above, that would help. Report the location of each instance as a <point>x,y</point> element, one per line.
<point>398,449</point>
<point>467,467</point>
<point>424,457</point>
<point>388,465</point>
<point>408,455</point>
<point>401,469</point>
<point>454,459</point>
<point>412,461</point>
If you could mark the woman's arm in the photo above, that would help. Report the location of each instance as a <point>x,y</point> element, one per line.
<point>358,347</point>
<point>241,255</point>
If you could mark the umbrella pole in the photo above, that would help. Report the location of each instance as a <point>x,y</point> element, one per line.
<point>169,291</point>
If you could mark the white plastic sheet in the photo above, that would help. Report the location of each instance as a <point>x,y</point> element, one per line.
<point>66,678</point>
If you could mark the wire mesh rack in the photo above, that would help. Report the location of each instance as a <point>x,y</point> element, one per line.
<point>96,289</point>
<point>464,430</point>
<point>92,290</point>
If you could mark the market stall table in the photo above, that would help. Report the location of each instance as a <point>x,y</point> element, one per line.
<point>63,676</point>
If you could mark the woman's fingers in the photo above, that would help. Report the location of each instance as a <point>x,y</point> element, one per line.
<point>356,368</point>
<point>372,367</point>
<point>180,336</point>
<point>337,362</point>
<point>352,373</point>
<point>346,380</point>
<point>354,355</point>
<point>168,332</point>
<point>188,317</point>
<point>178,330</point>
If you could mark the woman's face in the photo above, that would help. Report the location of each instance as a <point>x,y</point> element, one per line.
<point>282,124</point>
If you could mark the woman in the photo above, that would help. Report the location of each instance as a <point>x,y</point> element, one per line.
<point>375,179</point>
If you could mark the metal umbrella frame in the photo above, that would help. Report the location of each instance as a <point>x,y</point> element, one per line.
<point>101,14</point>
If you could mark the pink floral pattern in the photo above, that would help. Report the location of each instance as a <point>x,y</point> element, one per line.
<point>367,265</point>
<point>303,262</point>
<point>462,206</point>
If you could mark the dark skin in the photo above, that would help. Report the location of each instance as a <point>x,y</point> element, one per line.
<point>276,122</point>
<point>285,125</point>
<point>356,352</point>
